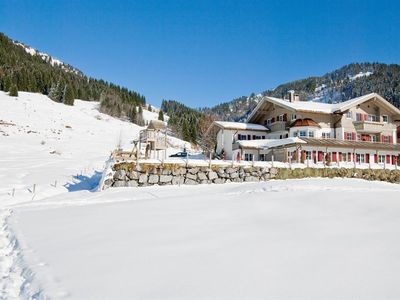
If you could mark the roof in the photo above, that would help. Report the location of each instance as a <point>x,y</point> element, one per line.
<point>270,143</point>
<point>319,107</point>
<point>157,125</point>
<point>350,144</point>
<point>304,122</point>
<point>240,126</point>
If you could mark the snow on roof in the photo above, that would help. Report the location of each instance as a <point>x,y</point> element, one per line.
<point>319,107</point>
<point>270,143</point>
<point>240,126</point>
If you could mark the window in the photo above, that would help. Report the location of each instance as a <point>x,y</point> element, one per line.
<point>344,156</point>
<point>262,157</point>
<point>385,118</point>
<point>280,118</point>
<point>295,134</point>
<point>349,136</point>
<point>372,118</point>
<point>311,134</point>
<point>302,133</point>
<point>268,122</point>
<point>387,139</point>
<point>359,117</point>
<point>293,117</point>
<point>326,135</point>
<point>249,137</point>
<point>248,157</point>
<point>263,137</point>
<point>361,158</point>
<point>381,159</point>
<point>358,137</point>
<point>308,155</point>
<point>349,115</point>
<point>374,138</point>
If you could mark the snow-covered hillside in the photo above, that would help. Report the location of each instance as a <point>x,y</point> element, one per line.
<point>56,147</point>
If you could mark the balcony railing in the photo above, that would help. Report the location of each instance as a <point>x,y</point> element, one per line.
<point>368,126</point>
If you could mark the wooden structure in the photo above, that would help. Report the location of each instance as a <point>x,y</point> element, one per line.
<point>153,139</point>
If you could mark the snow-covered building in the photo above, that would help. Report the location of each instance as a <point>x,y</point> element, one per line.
<point>362,129</point>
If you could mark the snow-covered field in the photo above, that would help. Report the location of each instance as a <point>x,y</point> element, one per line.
<point>297,239</point>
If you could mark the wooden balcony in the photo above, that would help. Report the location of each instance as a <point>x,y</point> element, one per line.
<point>368,126</point>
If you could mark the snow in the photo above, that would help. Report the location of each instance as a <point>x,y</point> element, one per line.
<point>240,126</point>
<point>270,143</point>
<point>297,239</point>
<point>59,239</point>
<point>361,74</point>
<point>45,142</point>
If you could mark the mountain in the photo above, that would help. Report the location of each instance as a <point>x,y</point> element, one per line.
<point>348,82</point>
<point>34,71</point>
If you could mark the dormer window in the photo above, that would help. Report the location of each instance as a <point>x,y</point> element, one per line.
<point>349,115</point>
<point>385,119</point>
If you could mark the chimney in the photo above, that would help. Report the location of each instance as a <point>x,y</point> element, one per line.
<point>293,97</point>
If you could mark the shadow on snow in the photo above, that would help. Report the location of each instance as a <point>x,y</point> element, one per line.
<point>83,182</point>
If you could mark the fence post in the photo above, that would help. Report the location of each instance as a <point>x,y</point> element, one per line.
<point>34,189</point>
<point>209,161</point>
<point>13,192</point>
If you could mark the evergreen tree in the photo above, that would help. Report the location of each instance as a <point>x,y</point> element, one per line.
<point>13,91</point>
<point>140,119</point>
<point>149,108</point>
<point>69,96</point>
<point>161,115</point>
<point>133,115</point>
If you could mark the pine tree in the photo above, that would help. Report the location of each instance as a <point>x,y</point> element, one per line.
<point>13,91</point>
<point>161,115</point>
<point>68,97</point>
<point>140,119</point>
<point>133,115</point>
<point>149,108</point>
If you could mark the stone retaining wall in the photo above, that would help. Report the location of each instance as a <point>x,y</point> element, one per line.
<point>130,174</point>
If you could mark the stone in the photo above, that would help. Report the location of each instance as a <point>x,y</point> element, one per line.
<point>108,183</point>
<point>153,171</point>
<point>194,170</point>
<point>234,175</point>
<point>165,178</point>
<point>212,175</point>
<point>221,171</point>
<point>143,178</point>
<point>153,179</point>
<point>134,175</point>
<point>166,172</point>
<point>119,184</point>
<point>204,169</point>
<point>132,183</point>
<point>190,182</point>
<point>176,172</point>
<point>204,182</point>
<point>138,168</point>
<point>251,179</point>
<point>178,180</point>
<point>219,180</point>
<point>273,171</point>
<point>120,175</point>
<point>237,180</point>
<point>228,181</point>
<point>230,170</point>
<point>191,176</point>
<point>202,176</point>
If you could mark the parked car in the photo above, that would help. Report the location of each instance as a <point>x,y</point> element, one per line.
<point>180,154</point>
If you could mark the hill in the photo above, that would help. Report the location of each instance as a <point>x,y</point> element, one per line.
<point>33,71</point>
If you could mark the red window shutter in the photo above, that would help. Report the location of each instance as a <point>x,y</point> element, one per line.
<point>353,136</point>
<point>376,158</point>
<point>273,120</point>
<point>333,156</point>
<point>387,158</point>
<point>314,155</point>
<point>382,138</point>
<point>367,158</point>
<point>365,117</point>
<point>390,139</point>
<point>285,117</point>
<point>349,156</point>
<point>393,159</point>
<point>345,136</point>
<point>320,156</point>
<point>340,156</point>
<point>355,157</point>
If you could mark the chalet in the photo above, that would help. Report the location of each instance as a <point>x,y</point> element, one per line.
<point>360,130</point>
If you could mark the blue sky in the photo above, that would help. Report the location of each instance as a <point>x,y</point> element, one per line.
<point>206,52</point>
